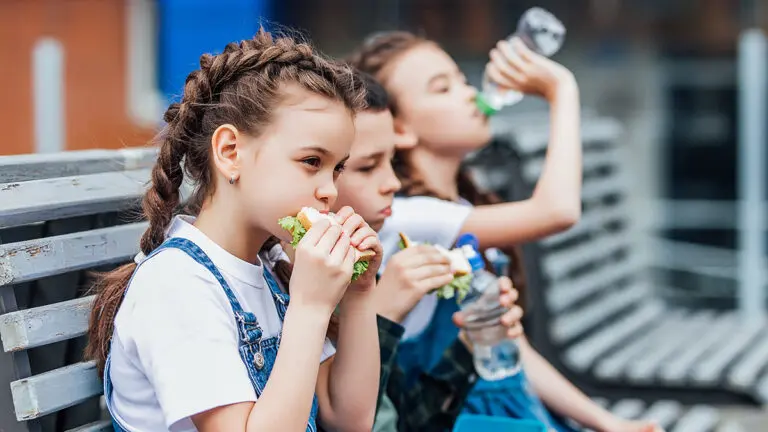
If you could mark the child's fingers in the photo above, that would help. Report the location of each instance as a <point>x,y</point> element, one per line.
<point>371,242</point>
<point>314,234</point>
<point>435,282</point>
<point>356,227</point>
<point>512,317</point>
<point>515,332</point>
<point>510,70</point>
<point>343,214</point>
<point>350,258</point>
<point>340,249</point>
<point>429,271</point>
<point>329,238</point>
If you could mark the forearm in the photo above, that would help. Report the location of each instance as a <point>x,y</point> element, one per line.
<point>354,375</point>
<point>287,398</point>
<point>558,393</point>
<point>559,186</point>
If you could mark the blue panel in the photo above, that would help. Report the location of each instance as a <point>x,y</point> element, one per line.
<point>189,28</point>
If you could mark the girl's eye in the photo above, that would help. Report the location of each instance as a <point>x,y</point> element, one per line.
<point>340,168</point>
<point>312,161</point>
<point>367,169</point>
<point>442,89</point>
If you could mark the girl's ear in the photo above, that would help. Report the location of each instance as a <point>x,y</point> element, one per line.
<point>405,137</point>
<point>225,151</point>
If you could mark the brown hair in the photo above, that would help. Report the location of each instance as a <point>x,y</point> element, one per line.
<point>374,56</point>
<point>241,86</point>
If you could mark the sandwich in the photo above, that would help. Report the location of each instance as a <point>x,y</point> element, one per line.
<point>460,267</point>
<point>299,225</point>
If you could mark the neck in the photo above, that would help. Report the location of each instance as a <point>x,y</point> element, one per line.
<point>231,231</point>
<point>437,171</point>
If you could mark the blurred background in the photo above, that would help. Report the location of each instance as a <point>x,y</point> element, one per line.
<point>683,80</point>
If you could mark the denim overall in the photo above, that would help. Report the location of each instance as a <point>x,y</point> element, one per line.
<point>511,397</point>
<point>258,354</point>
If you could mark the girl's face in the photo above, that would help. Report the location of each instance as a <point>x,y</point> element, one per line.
<point>296,161</point>
<point>368,184</point>
<point>435,104</point>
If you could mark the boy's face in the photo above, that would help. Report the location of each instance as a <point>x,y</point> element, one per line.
<point>368,183</point>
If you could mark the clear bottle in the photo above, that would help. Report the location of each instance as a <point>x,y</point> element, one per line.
<point>495,356</point>
<point>542,33</point>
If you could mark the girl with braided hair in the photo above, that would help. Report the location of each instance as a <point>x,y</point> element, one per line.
<point>197,334</point>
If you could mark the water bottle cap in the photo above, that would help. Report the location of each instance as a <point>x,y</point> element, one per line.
<point>484,106</point>
<point>468,239</point>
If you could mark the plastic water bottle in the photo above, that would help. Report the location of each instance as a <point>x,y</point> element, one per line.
<point>495,356</point>
<point>542,33</point>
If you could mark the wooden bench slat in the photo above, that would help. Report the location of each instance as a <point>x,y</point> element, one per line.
<point>710,369</point>
<point>534,139</point>
<point>594,189</point>
<point>628,408</point>
<point>558,264</point>
<point>44,325</point>
<point>561,296</point>
<point>663,413</point>
<point>700,418</point>
<point>746,371</point>
<point>20,168</point>
<point>39,258</point>
<point>644,367</point>
<point>593,220</point>
<point>676,370</point>
<point>99,426</point>
<point>51,199</point>
<point>612,366</point>
<point>581,356</point>
<point>591,161</point>
<point>575,323</point>
<point>53,391</point>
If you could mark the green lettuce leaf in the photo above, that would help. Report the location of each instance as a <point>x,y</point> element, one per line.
<point>292,225</point>
<point>360,268</point>
<point>458,288</point>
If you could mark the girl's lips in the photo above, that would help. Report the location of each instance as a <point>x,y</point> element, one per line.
<point>387,211</point>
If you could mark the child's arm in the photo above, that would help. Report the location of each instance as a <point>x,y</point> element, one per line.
<point>568,401</point>
<point>347,386</point>
<point>348,383</point>
<point>556,201</point>
<point>324,261</point>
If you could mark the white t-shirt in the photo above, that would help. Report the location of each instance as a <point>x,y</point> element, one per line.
<point>424,220</point>
<point>175,345</point>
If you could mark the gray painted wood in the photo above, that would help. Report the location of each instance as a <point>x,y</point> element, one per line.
<point>607,276</point>
<point>593,220</point>
<point>576,322</point>
<point>591,161</point>
<point>745,372</point>
<point>55,390</point>
<point>594,189</point>
<point>711,369</point>
<point>534,139</point>
<point>663,413</point>
<point>581,356</point>
<point>644,367</point>
<point>612,366</point>
<point>35,259</point>
<point>44,325</point>
<point>628,408</point>
<point>51,199</point>
<point>709,340</point>
<point>700,418</point>
<point>99,426</point>
<point>73,163</point>
<point>557,265</point>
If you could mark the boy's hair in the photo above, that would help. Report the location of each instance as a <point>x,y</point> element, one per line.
<point>241,86</point>
<point>378,52</point>
<point>376,98</point>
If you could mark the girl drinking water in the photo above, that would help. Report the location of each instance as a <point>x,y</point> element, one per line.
<point>437,123</point>
<point>197,335</point>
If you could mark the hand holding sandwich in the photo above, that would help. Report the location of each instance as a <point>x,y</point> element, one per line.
<point>365,240</point>
<point>323,267</point>
<point>410,275</point>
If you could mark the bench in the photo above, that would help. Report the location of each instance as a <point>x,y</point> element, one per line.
<point>595,308</point>
<point>61,216</point>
